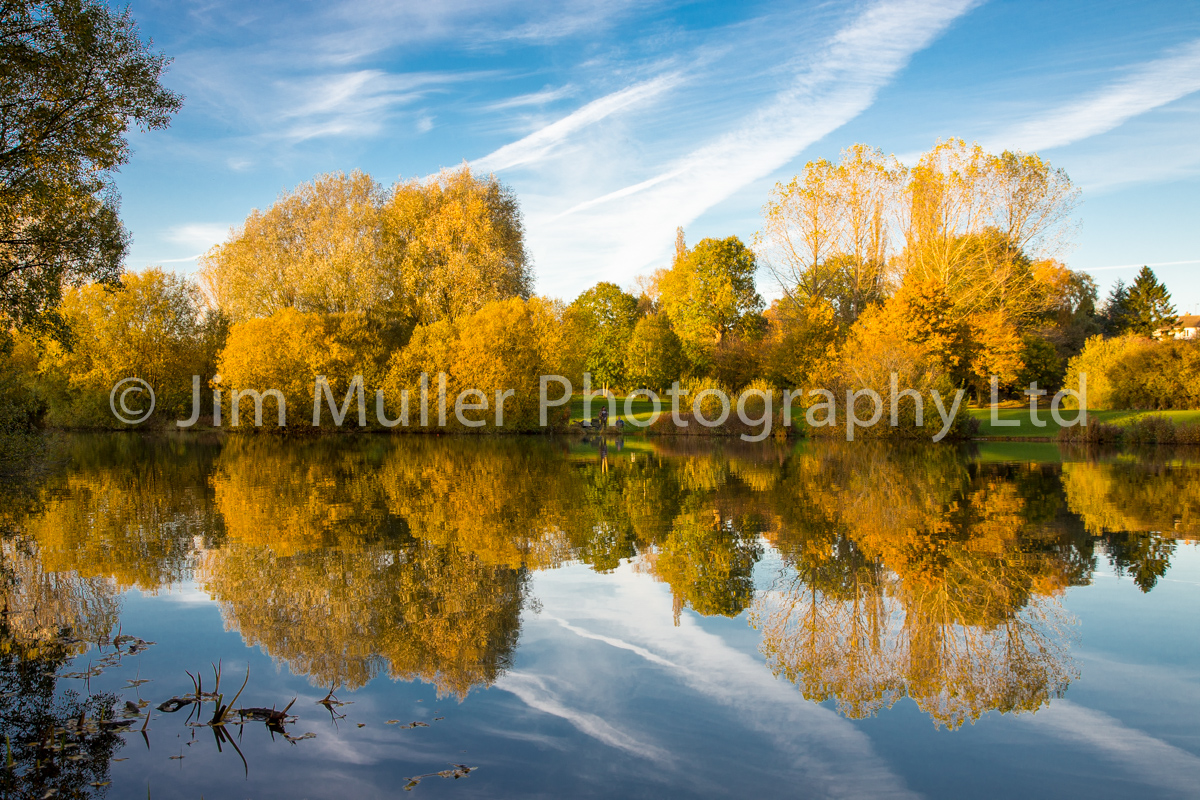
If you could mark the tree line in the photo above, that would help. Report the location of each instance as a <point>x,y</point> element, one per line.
<point>944,273</point>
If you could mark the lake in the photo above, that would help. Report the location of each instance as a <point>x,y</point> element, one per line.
<point>351,617</point>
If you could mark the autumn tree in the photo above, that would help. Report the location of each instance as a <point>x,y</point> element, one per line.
<point>317,249</point>
<point>708,293</point>
<point>1071,317</point>
<point>155,328</point>
<point>76,76</point>
<point>826,233</point>
<point>417,253</point>
<point>800,341</point>
<point>458,241</point>
<point>504,345</point>
<point>286,352</point>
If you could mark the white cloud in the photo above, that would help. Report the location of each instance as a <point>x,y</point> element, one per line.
<point>353,104</point>
<point>541,98</point>
<point>1153,761</point>
<point>199,236</point>
<point>619,232</point>
<point>541,143</point>
<point>1149,86</point>
<point>633,613</point>
<point>534,692</point>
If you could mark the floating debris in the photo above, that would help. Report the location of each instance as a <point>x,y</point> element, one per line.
<point>459,771</point>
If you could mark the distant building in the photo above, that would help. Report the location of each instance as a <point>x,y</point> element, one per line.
<point>1186,327</point>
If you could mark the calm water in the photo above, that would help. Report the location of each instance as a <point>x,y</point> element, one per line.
<point>532,617</point>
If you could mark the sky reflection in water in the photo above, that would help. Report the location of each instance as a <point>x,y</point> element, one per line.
<point>668,618</point>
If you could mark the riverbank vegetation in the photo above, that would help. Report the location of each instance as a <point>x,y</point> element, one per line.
<point>944,274</point>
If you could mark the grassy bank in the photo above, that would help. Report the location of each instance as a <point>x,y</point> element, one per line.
<point>1023,429</point>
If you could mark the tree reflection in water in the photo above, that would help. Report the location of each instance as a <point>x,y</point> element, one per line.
<point>907,572</point>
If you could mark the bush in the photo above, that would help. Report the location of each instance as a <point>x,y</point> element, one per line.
<point>1152,429</point>
<point>1157,376</point>
<point>1092,433</point>
<point>1132,372</point>
<point>286,352</point>
<point>506,344</point>
<point>154,328</point>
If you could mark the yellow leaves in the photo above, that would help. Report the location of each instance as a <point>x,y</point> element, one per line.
<point>316,249</point>
<point>150,329</point>
<point>826,232</point>
<point>500,346</point>
<point>340,243</point>
<point>461,243</point>
<point>1114,497</point>
<point>288,350</point>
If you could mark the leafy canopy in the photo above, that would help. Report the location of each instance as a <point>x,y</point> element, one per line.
<point>74,76</point>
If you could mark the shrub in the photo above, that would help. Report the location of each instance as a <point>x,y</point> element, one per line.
<point>1098,358</point>
<point>154,328</point>
<point>1158,376</point>
<point>287,351</point>
<point>506,344</point>
<point>1092,433</point>
<point>1151,429</point>
<point>1131,372</point>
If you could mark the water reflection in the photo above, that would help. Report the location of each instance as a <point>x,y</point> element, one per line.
<point>923,573</point>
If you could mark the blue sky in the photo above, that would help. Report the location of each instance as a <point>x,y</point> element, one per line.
<point>617,121</point>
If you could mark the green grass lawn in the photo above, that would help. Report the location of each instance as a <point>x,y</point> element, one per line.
<point>1025,429</point>
<point>642,407</point>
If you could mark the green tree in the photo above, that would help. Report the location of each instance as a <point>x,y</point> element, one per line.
<point>1149,304</point>
<point>74,76</point>
<point>654,357</point>
<point>708,293</point>
<point>1041,363</point>
<point>605,317</point>
<point>1114,317</point>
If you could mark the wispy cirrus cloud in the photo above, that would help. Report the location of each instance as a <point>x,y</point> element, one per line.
<point>353,104</point>
<point>1147,87</point>
<point>626,620</point>
<point>535,693</point>
<point>198,235</point>
<point>544,97</point>
<point>616,233</point>
<point>1152,760</point>
<point>541,143</point>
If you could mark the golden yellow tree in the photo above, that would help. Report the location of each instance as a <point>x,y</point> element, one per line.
<point>458,240</point>
<point>316,249</point>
